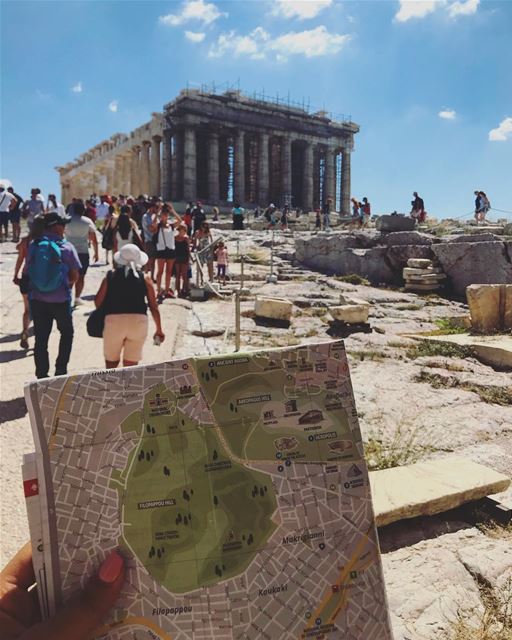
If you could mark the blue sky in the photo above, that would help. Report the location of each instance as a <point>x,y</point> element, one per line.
<point>76,72</point>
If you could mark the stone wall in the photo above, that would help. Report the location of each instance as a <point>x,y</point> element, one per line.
<point>378,257</point>
<point>381,257</point>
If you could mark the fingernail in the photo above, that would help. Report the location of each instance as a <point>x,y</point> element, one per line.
<point>111,568</point>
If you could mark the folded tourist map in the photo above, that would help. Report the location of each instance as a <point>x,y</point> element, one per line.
<point>235,486</point>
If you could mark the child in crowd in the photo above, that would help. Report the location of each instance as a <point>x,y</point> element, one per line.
<point>221,255</point>
<point>182,261</point>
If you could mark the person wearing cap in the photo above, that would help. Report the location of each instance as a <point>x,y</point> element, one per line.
<point>52,303</point>
<point>125,295</point>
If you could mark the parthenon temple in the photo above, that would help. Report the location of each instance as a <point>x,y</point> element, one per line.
<point>223,149</point>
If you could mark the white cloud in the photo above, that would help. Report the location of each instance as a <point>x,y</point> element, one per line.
<point>447,114</point>
<point>193,10</point>
<point>502,132</point>
<point>258,43</point>
<point>78,87</point>
<point>312,43</point>
<point>416,9</point>
<point>195,36</point>
<point>301,9</point>
<point>113,106</point>
<point>420,8</point>
<point>463,8</point>
<point>252,45</point>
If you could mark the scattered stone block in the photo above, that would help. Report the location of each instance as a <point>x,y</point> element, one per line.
<point>419,263</point>
<point>351,313</point>
<point>490,306</point>
<point>484,307</point>
<point>273,309</point>
<point>422,287</point>
<point>395,223</point>
<point>427,488</point>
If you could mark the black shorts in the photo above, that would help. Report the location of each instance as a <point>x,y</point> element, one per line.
<point>4,218</point>
<point>150,249</point>
<point>15,217</point>
<point>84,259</point>
<point>166,254</point>
<point>221,271</point>
<point>24,284</point>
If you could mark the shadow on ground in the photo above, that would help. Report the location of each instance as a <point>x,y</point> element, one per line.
<point>8,356</point>
<point>12,409</point>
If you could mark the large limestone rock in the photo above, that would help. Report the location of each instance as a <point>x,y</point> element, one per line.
<point>467,263</point>
<point>336,254</point>
<point>431,487</point>
<point>351,313</point>
<point>408,237</point>
<point>395,223</point>
<point>477,237</point>
<point>273,309</point>
<point>398,256</point>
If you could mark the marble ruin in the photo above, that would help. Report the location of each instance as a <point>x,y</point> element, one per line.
<point>223,149</point>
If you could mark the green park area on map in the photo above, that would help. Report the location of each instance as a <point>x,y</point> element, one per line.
<point>192,515</point>
<point>242,392</point>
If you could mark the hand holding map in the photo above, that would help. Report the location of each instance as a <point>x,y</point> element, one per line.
<point>77,619</point>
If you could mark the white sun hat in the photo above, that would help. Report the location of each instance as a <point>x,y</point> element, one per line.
<point>131,257</point>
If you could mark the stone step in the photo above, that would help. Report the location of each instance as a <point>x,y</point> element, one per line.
<point>419,263</point>
<point>422,287</point>
<point>427,488</point>
<point>429,277</point>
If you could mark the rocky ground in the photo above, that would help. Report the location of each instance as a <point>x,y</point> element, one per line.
<point>414,403</point>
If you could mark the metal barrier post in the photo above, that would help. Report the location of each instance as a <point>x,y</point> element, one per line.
<point>237,321</point>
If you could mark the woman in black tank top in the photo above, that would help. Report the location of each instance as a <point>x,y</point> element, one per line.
<point>124,296</point>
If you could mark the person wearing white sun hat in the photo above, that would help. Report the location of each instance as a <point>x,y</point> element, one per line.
<point>125,295</point>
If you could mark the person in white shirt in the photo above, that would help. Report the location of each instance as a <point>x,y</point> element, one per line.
<point>55,207</point>
<point>102,209</point>
<point>8,202</point>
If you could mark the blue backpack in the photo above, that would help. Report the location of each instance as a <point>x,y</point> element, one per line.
<point>46,269</point>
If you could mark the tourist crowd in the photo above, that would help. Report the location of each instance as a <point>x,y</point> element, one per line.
<point>151,249</point>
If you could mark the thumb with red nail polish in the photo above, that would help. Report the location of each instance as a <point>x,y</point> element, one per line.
<point>80,616</point>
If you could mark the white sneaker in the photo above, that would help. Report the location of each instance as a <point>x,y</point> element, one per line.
<point>78,302</point>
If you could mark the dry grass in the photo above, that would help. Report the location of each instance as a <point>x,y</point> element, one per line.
<point>369,354</point>
<point>401,448</point>
<point>432,348</point>
<point>495,623</point>
<point>353,278</point>
<point>491,394</point>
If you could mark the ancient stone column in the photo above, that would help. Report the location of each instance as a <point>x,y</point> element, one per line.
<point>307,183</point>
<point>167,172</point>
<point>239,169</point>
<point>286,169</point>
<point>345,182</point>
<point>263,170</point>
<point>144,167</point>
<point>134,172</point>
<point>155,173</point>
<point>213,168</point>
<point>110,179</point>
<point>118,175</point>
<point>176,143</point>
<point>125,180</point>
<point>330,176</point>
<point>189,166</point>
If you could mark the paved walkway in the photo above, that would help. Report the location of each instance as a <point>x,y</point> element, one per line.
<point>17,368</point>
